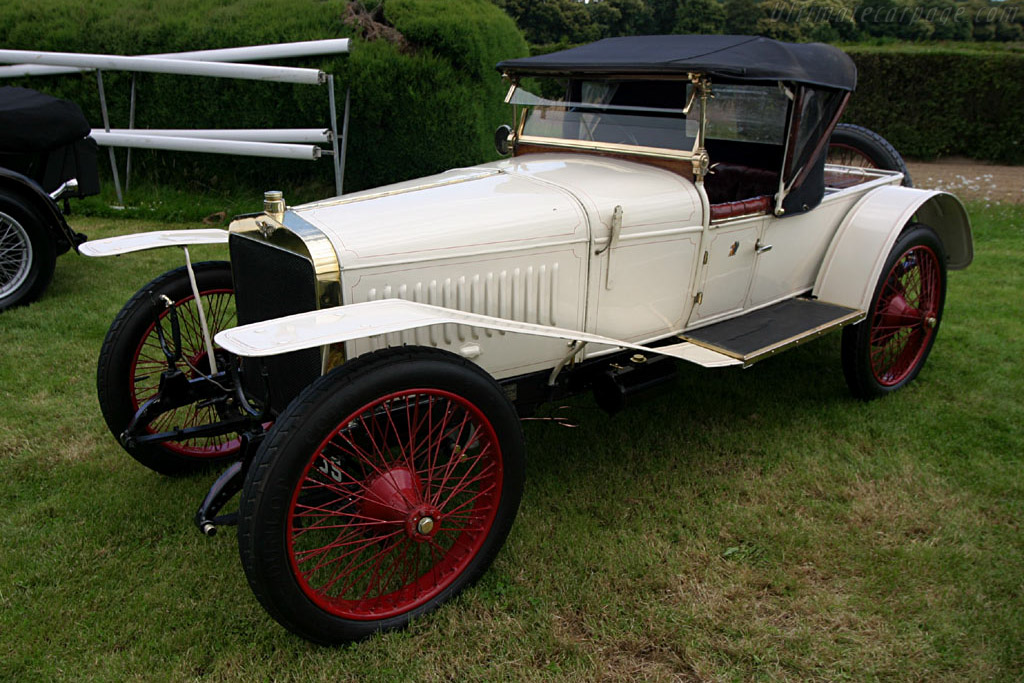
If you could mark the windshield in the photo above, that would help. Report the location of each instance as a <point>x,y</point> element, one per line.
<point>638,114</point>
<point>748,113</point>
<point>648,116</point>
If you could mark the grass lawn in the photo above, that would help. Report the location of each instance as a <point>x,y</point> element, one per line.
<point>755,524</point>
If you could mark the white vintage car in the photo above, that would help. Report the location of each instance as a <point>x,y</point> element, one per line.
<point>364,361</point>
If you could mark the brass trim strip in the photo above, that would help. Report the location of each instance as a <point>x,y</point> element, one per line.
<point>560,143</point>
<point>297,236</point>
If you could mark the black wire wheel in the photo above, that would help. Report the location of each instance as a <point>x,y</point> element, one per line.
<point>861,147</point>
<point>383,490</point>
<point>131,360</point>
<point>27,252</point>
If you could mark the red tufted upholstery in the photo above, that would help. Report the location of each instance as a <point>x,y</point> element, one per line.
<point>741,207</point>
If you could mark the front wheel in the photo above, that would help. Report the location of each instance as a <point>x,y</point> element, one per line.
<point>131,360</point>
<point>887,349</point>
<point>384,489</point>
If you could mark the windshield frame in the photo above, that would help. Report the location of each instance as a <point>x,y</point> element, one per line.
<point>697,97</point>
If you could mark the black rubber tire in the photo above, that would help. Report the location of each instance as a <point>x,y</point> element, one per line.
<point>119,388</point>
<point>852,145</point>
<point>283,469</point>
<point>914,248</point>
<point>21,229</point>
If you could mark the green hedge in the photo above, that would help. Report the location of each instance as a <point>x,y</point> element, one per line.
<point>938,102</point>
<point>416,109</point>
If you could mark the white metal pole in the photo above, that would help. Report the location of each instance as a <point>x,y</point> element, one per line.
<point>252,53</point>
<point>255,72</point>
<point>334,130</point>
<point>140,140</point>
<point>207,340</point>
<point>106,125</point>
<point>344,141</point>
<point>131,124</point>
<point>300,135</point>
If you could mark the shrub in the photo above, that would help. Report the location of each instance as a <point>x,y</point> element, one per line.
<point>932,102</point>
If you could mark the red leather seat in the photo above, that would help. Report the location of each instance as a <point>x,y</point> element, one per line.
<point>741,207</point>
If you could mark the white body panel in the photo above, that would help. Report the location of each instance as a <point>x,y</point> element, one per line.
<point>125,244</point>
<point>739,278</point>
<point>516,239</point>
<point>798,246</point>
<point>590,249</point>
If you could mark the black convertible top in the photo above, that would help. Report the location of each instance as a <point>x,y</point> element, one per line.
<point>33,122</point>
<point>747,58</point>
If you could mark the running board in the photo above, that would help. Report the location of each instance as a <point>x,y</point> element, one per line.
<point>755,336</point>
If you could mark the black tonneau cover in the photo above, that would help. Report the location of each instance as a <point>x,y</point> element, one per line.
<point>32,122</point>
<point>748,58</point>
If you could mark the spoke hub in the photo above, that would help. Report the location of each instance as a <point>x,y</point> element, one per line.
<point>393,496</point>
<point>423,523</point>
<point>899,313</point>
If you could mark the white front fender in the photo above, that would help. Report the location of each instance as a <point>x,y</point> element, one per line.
<point>356,321</point>
<point>126,244</point>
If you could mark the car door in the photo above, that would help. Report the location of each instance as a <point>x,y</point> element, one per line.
<point>729,254</point>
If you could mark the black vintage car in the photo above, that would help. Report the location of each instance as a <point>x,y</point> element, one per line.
<point>46,155</point>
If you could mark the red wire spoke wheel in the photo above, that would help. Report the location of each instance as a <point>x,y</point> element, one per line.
<point>412,483</point>
<point>149,361</point>
<point>131,361</point>
<point>888,349</point>
<point>905,315</point>
<point>387,487</point>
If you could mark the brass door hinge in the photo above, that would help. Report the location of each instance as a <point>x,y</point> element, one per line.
<point>698,298</point>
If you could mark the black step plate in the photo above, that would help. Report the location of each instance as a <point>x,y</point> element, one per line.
<point>771,329</point>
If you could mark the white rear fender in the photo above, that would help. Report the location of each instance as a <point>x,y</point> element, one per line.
<point>855,257</point>
<point>126,244</point>
<point>356,321</point>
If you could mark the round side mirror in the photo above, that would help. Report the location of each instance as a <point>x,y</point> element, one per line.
<point>501,139</point>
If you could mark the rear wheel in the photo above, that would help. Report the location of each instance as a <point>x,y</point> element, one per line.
<point>384,489</point>
<point>858,146</point>
<point>27,252</point>
<point>131,361</point>
<point>888,349</point>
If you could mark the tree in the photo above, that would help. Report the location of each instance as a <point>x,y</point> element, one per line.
<point>620,17</point>
<point>741,16</point>
<point>699,16</point>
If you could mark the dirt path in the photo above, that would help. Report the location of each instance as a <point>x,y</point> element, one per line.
<point>970,180</point>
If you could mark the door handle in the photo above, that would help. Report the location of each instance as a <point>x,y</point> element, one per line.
<point>762,248</point>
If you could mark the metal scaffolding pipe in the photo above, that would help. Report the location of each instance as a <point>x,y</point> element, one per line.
<point>252,53</point>
<point>140,140</point>
<point>255,72</point>
<point>301,135</point>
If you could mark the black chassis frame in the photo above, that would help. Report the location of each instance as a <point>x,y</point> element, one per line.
<point>613,379</point>
<point>222,390</point>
